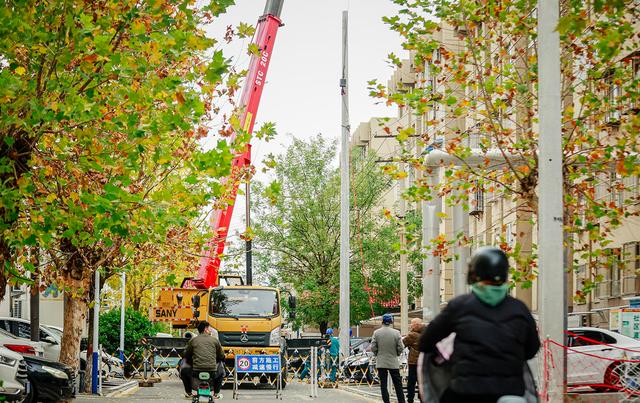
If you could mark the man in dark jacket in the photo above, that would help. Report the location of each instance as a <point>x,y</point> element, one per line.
<point>495,334</point>
<point>204,352</point>
<point>412,342</point>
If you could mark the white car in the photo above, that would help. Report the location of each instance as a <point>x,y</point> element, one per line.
<point>20,345</point>
<point>113,366</point>
<point>13,374</point>
<point>22,328</point>
<point>592,358</point>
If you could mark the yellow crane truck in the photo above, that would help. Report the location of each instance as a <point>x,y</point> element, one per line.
<point>248,319</point>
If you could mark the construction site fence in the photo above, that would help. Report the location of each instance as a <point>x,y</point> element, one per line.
<point>596,371</point>
<point>307,365</point>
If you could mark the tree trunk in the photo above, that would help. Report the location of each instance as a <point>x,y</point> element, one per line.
<point>5,258</point>
<point>34,310</point>
<point>136,303</point>
<point>75,310</point>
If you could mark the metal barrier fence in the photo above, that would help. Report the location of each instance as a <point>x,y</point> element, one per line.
<point>312,366</point>
<point>597,371</point>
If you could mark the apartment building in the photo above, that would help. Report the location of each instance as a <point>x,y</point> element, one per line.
<point>494,219</point>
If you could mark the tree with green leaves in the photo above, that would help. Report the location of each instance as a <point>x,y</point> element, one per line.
<point>136,326</point>
<point>296,233</point>
<point>477,90</point>
<point>103,105</point>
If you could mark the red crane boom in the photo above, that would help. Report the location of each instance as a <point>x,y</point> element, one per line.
<point>264,38</point>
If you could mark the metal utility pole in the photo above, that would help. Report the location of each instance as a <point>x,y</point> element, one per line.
<point>124,283</point>
<point>249,261</point>
<point>345,282</point>
<point>553,283</point>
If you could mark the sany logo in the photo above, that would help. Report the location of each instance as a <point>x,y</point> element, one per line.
<point>244,328</point>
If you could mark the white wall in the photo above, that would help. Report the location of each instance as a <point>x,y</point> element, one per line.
<point>51,308</point>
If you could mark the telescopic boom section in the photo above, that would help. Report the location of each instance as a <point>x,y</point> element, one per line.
<point>265,38</point>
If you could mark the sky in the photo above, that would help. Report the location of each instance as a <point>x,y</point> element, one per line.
<point>302,93</point>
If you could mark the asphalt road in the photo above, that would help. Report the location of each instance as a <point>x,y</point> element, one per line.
<point>171,391</point>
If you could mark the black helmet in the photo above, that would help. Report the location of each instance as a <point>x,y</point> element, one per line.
<point>488,264</point>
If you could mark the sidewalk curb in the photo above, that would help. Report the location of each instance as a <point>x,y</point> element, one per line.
<point>125,388</point>
<point>372,396</point>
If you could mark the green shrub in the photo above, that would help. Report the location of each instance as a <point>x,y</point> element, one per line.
<point>136,326</point>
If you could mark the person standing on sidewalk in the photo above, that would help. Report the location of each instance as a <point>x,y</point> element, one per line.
<point>495,334</point>
<point>386,344</point>
<point>412,342</point>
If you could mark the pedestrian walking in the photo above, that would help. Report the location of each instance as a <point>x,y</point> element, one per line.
<point>333,343</point>
<point>386,345</point>
<point>495,335</point>
<point>412,342</point>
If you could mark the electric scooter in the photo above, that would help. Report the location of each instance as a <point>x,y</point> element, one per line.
<point>204,389</point>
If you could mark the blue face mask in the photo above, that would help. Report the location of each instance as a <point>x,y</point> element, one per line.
<point>491,295</point>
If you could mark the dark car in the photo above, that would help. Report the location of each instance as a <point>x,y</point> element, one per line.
<point>50,381</point>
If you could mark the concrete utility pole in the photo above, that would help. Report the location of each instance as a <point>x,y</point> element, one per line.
<point>460,225</point>
<point>124,283</point>
<point>345,282</point>
<point>430,263</point>
<point>553,283</point>
<point>404,292</point>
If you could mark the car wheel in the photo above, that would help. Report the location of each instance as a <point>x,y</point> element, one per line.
<point>611,380</point>
<point>31,397</point>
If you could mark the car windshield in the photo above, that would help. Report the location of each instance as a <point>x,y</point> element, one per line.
<point>244,302</point>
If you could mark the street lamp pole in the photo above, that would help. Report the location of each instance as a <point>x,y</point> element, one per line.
<point>345,282</point>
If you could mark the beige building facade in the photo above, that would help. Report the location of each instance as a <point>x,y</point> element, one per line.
<point>494,219</point>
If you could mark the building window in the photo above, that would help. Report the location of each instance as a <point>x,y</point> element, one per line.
<point>635,67</point>
<point>631,265</point>
<point>613,95</point>
<point>17,309</point>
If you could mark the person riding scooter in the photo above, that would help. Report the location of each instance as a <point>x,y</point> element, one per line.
<point>204,352</point>
<point>495,335</point>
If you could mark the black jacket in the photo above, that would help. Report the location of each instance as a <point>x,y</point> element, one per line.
<point>491,344</point>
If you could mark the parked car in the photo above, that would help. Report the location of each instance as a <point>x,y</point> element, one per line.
<point>593,357</point>
<point>50,380</point>
<point>13,374</point>
<point>19,345</point>
<point>22,328</point>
